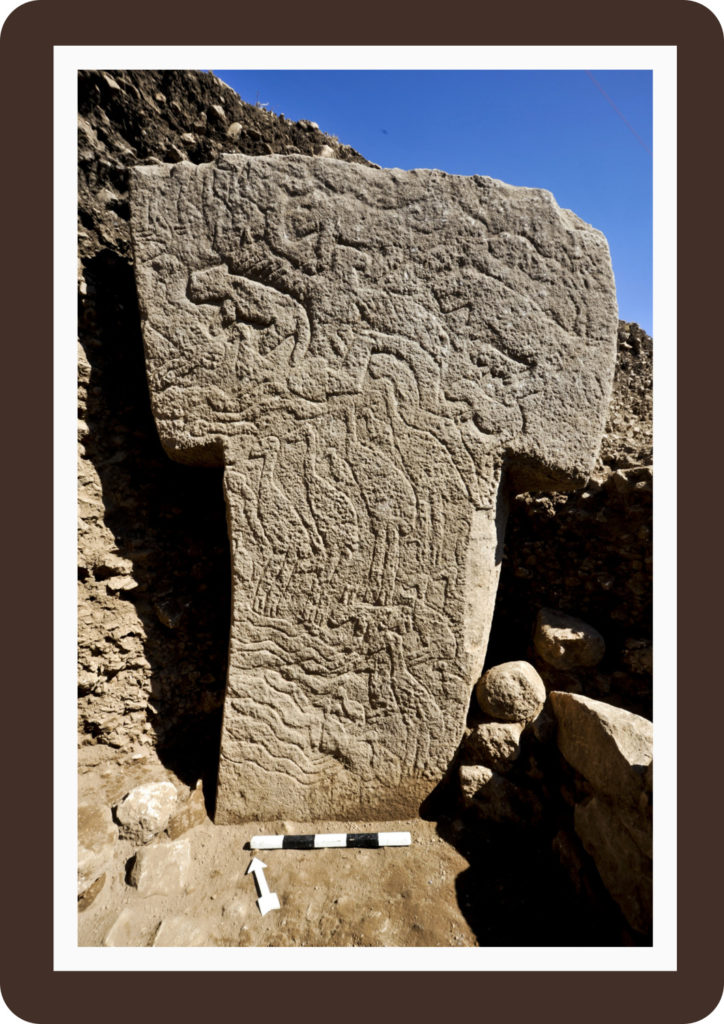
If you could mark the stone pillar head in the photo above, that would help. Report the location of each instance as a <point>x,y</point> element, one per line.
<point>368,353</point>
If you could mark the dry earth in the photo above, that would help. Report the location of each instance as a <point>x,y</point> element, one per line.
<point>453,886</point>
<point>389,897</point>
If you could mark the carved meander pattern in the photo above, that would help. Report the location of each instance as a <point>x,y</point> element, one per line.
<point>350,348</point>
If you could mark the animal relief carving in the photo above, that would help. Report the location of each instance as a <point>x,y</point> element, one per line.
<point>374,357</point>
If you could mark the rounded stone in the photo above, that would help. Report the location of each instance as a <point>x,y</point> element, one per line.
<point>565,642</point>
<point>496,744</point>
<point>145,811</point>
<point>512,692</point>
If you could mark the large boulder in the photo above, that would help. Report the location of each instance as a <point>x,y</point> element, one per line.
<point>134,926</point>
<point>623,865</point>
<point>613,750</point>
<point>610,747</point>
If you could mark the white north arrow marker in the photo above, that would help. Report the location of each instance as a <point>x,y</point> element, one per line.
<point>267,900</point>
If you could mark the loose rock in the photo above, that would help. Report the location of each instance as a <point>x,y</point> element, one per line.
<point>513,692</point>
<point>116,583</point>
<point>189,814</point>
<point>610,747</point>
<point>129,929</point>
<point>496,744</point>
<point>623,866</point>
<point>162,870</point>
<point>97,837</point>
<point>182,931</point>
<point>216,113</point>
<point>495,797</point>
<point>87,898</point>
<point>566,642</point>
<point>145,811</point>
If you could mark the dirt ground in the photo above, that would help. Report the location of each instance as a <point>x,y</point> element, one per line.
<point>457,884</point>
<point>336,897</point>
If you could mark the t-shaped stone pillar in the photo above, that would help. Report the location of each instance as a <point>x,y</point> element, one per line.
<point>368,353</point>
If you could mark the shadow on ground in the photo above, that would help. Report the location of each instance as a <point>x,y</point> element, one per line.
<point>515,891</point>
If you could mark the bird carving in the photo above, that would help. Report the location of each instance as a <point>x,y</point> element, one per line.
<point>288,538</point>
<point>387,494</point>
<point>335,518</point>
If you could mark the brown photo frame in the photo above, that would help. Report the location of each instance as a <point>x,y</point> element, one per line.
<point>31,989</point>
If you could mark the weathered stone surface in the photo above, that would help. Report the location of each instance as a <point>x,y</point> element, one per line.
<point>97,839</point>
<point>131,928</point>
<point>162,869</point>
<point>364,351</point>
<point>566,642</point>
<point>133,501</point>
<point>495,797</point>
<point>145,811</point>
<point>189,814</point>
<point>496,744</point>
<point>182,931</point>
<point>160,513</point>
<point>88,896</point>
<point>512,691</point>
<point>610,747</point>
<point>624,867</point>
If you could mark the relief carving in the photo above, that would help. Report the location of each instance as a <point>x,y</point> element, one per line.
<point>374,356</point>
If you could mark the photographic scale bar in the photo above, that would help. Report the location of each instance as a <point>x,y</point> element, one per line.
<point>327,840</point>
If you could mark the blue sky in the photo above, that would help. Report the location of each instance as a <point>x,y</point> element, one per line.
<point>586,139</point>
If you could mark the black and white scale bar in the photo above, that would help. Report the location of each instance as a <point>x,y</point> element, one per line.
<point>325,840</point>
